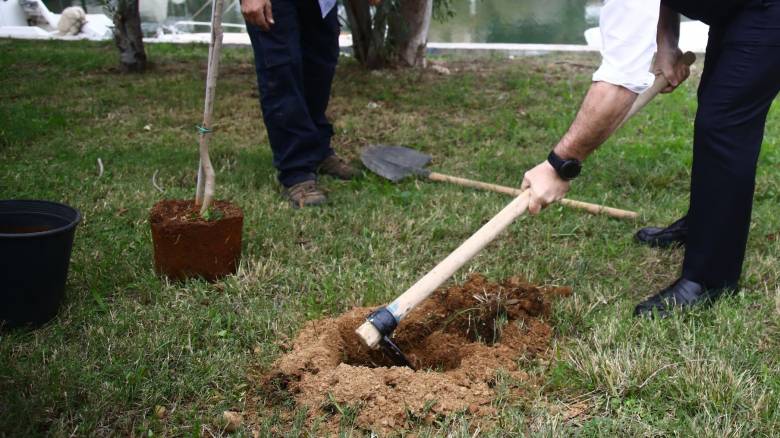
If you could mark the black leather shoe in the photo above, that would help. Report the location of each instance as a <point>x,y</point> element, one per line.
<point>674,234</point>
<point>682,294</point>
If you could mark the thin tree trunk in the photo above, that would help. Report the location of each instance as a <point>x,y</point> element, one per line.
<point>369,33</point>
<point>409,31</point>
<point>128,36</point>
<point>359,17</point>
<point>206,178</point>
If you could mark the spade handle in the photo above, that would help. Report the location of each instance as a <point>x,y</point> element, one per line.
<point>587,206</point>
<point>447,267</point>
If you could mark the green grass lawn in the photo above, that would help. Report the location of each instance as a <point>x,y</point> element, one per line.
<point>126,341</point>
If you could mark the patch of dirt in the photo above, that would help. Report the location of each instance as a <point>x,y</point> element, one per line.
<point>457,340</point>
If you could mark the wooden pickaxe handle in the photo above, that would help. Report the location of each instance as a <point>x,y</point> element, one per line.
<point>447,267</point>
<point>688,58</point>
<point>587,206</point>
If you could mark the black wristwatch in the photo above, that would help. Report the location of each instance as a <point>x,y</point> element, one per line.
<point>567,169</point>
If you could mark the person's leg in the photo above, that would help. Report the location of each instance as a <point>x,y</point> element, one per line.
<point>676,233</point>
<point>320,53</point>
<point>739,82</point>
<point>293,135</point>
<point>729,129</point>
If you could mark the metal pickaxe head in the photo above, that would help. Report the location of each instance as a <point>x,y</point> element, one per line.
<point>385,323</point>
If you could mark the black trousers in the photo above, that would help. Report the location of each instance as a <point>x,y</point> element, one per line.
<point>740,80</point>
<point>295,62</point>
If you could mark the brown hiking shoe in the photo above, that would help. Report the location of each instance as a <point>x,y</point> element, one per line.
<point>305,194</point>
<point>335,166</point>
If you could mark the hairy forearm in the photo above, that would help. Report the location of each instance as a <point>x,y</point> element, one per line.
<point>668,35</point>
<point>600,115</point>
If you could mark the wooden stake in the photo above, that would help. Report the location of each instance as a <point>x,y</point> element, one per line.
<point>206,177</point>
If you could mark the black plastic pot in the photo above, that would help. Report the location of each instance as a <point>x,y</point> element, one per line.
<point>36,238</point>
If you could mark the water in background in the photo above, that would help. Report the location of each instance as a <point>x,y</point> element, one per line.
<point>518,21</point>
<point>494,21</point>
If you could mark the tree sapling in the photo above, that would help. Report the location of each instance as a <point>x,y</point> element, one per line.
<point>200,238</point>
<point>206,178</point>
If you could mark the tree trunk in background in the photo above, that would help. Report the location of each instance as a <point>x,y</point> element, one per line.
<point>409,31</point>
<point>128,36</point>
<point>368,33</point>
<point>396,34</point>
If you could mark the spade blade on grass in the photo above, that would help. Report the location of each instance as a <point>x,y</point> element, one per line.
<point>395,162</point>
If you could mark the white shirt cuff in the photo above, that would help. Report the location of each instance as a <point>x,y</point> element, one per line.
<point>634,83</point>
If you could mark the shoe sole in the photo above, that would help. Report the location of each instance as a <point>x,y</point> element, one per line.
<point>667,312</point>
<point>660,243</point>
<point>311,204</point>
<point>350,178</point>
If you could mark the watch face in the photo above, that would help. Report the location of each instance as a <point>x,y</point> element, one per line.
<point>570,169</point>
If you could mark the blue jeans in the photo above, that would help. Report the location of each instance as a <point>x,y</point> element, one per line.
<point>295,62</point>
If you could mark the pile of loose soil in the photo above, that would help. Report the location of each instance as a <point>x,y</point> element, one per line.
<point>457,340</point>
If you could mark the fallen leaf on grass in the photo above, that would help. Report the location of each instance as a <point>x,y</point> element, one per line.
<point>440,69</point>
<point>232,420</point>
<point>575,410</point>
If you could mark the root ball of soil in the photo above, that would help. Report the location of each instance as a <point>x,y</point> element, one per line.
<point>186,245</point>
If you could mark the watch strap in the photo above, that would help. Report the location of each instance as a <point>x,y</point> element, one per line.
<point>559,164</point>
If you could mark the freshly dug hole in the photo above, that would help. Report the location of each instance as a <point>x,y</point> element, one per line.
<point>458,339</point>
